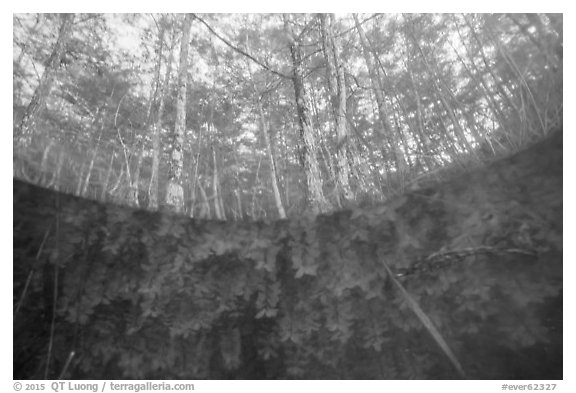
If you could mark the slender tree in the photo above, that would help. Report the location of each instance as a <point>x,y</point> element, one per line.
<point>175,192</point>
<point>273,172</point>
<point>162,89</point>
<point>315,195</point>
<point>265,128</point>
<point>337,91</point>
<point>26,130</point>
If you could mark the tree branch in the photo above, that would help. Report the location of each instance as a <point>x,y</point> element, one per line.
<point>224,40</point>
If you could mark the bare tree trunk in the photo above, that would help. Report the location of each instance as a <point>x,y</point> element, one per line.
<point>175,192</point>
<point>135,185</point>
<point>156,148</point>
<point>92,160</point>
<point>314,193</point>
<point>273,174</point>
<point>284,149</point>
<point>155,88</point>
<point>255,188</point>
<point>107,180</point>
<point>218,204</point>
<point>239,212</point>
<point>205,211</point>
<point>195,181</point>
<point>155,91</point>
<point>58,177</point>
<point>43,166</point>
<point>27,126</point>
<point>116,192</point>
<point>266,133</point>
<point>79,184</point>
<point>337,89</point>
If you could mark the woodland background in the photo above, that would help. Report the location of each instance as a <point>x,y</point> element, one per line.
<point>288,196</point>
<point>268,115</point>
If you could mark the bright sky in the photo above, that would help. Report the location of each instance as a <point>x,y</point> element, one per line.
<point>127,35</point>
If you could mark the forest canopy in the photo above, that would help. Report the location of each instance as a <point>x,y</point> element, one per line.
<point>231,116</point>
